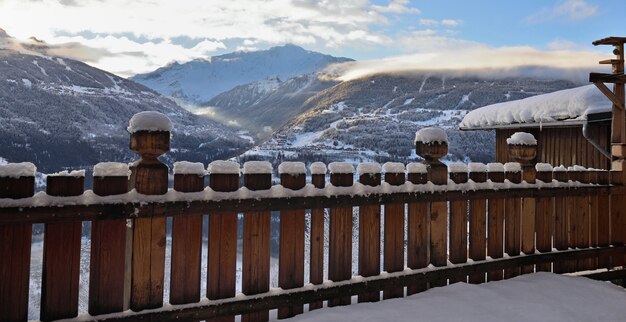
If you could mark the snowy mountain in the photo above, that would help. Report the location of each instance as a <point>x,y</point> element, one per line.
<point>59,113</point>
<point>200,80</point>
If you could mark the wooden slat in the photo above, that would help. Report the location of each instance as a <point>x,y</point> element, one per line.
<point>340,240</point>
<point>108,248</point>
<point>15,244</point>
<point>438,174</point>
<point>513,224</point>
<point>316,269</point>
<point>495,228</point>
<point>544,222</point>
<point>369,238</point>
<point>561,224</point>
<point>618,219</point>
<point>593,219</point>
<point>418,234</point>
<point>604,220</point>
<point>61,256</point>
<point>291,255</point>
<point>478,228</point>
<point>528,218</point>
<point>458,228</point>
<point>394,236</point>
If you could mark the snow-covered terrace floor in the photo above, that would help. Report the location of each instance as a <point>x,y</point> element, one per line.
<point>534,297</point>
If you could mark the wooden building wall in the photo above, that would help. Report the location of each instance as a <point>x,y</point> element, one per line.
<point>562,145</point>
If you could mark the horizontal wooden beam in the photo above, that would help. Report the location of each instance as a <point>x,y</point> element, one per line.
<point>311,293</point>
<point>607,78</point>
<point>609,62</point>
<point>610,41</point>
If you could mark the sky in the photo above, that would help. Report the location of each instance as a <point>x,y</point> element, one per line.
<point>127,37</point>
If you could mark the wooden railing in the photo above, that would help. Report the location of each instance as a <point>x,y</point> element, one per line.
<point>520,221</point>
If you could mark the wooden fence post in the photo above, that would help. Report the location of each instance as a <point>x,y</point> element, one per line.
<point>458,222</point>
<point>593,218</point>
<point>418,230</point>
<point>17,180</point>
<point>478,222</point>
<point>561,219</point>
<point>545,216</point>
<point>394,229</point>
<point>108,244</point>
<point>579,217</point>
<point>222,248</point>
<point>148,177</point>
<point>604,219</point>
<point>61,253</point>
<point>369,230</point>
<point>512,219</point>
<point>340,239</point>
<point>186,238</point>
<point>495,222</point>
<point>257,175</point>
<point>316,274</point>
<point>291,256</point>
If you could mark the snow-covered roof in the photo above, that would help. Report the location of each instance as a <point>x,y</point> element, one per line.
<point>568,105</point>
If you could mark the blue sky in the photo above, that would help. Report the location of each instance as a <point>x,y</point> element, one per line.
<point>135,36</point>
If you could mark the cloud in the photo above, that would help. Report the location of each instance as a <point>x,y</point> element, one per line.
<point>572,10</point>
<point>397,6</point>
<point>443,22</point>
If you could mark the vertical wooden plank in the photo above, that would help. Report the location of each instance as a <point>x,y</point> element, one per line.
<point>369,230</point>
<point>394,229</point>
<point>256,239</point>
<point>495,228</point>
<point>513,222</point>
<point>108,247</point>
<point>222,238</point>
<point>458,222</point>
<point>438,174</point>
<point>291,256</point>
<point>418,231</point>
<point>561,224</point>
<point>186,238</point>
<point>61,255</point>
<point>579,218</point>
<point>544,216</point>
<point>478,223</point>
<point>15,244</point>
<point>593,218</point>
<point>528,217</point>
<point>316,270</point>
<point>604,219</point>
<point>340,239</point>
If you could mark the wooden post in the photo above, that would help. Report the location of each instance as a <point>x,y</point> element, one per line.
<point>394,229</point>
<point>593,218</point>
<point>604,219</point>
<point>186,238</point>
<point>478,222</point>
<point>340,241</point>
<point>512,219</point>
<point>222,246</point>
<point>561,219</point>
<point>316,275</point>
<point>291,256</point>
<point>545,216</point>
<point>15,245</point>
<point>495,240</point>
<point>108,244</point>
<point>61,253</point>
<point>369,230</point>
<point>257,175</point>
<point>458,222</point>
<point>149,177</point>
<point>418,231</point>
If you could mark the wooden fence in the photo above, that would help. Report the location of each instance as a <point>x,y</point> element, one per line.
<point>520,220</point>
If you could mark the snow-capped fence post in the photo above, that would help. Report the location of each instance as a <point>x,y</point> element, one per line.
<point>513,220</point>
<point>458,221</point>
<point>150,138</point>
<point>394,228</point>
<point>418,230</point>
<point>478,222</point>
<point>604,219</point>
<point>545,216</point>
<point>369,230</point>
<point>16,181</point>
<point>291,255</point>
<point>495,222</point>
<point>432,144</point>
<point>340,239</point>
<point>61,253</point>
<point>561,219</point>
<point>316,269</point>
<point>186,238</point>
<point>108,258</point>
<point>257,175</point>
<point>579,220</point>
<point>222,245</point>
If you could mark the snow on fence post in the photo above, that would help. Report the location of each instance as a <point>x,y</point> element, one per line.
<point>186,238</point>
<point>394,228</point>
<point>340,239</point>
<point>432,144</point>
<point>61,253</point>
<point>150,138</point>
<point>108,258</point>
<point>458,222</point>
<point>17,180</point>
<point>257,175</point>
<point>545,216</point>
<point>579,218</point>
<point>604,219</point>
<point>369,230</point>
<point>561,219</point>
<point>478,222</point>
<point>418,230</point>
<point>495,222</point>
<point>222,244</point>
<point>291,255</point>
<point>316,274</point>
<point>513,221</point>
